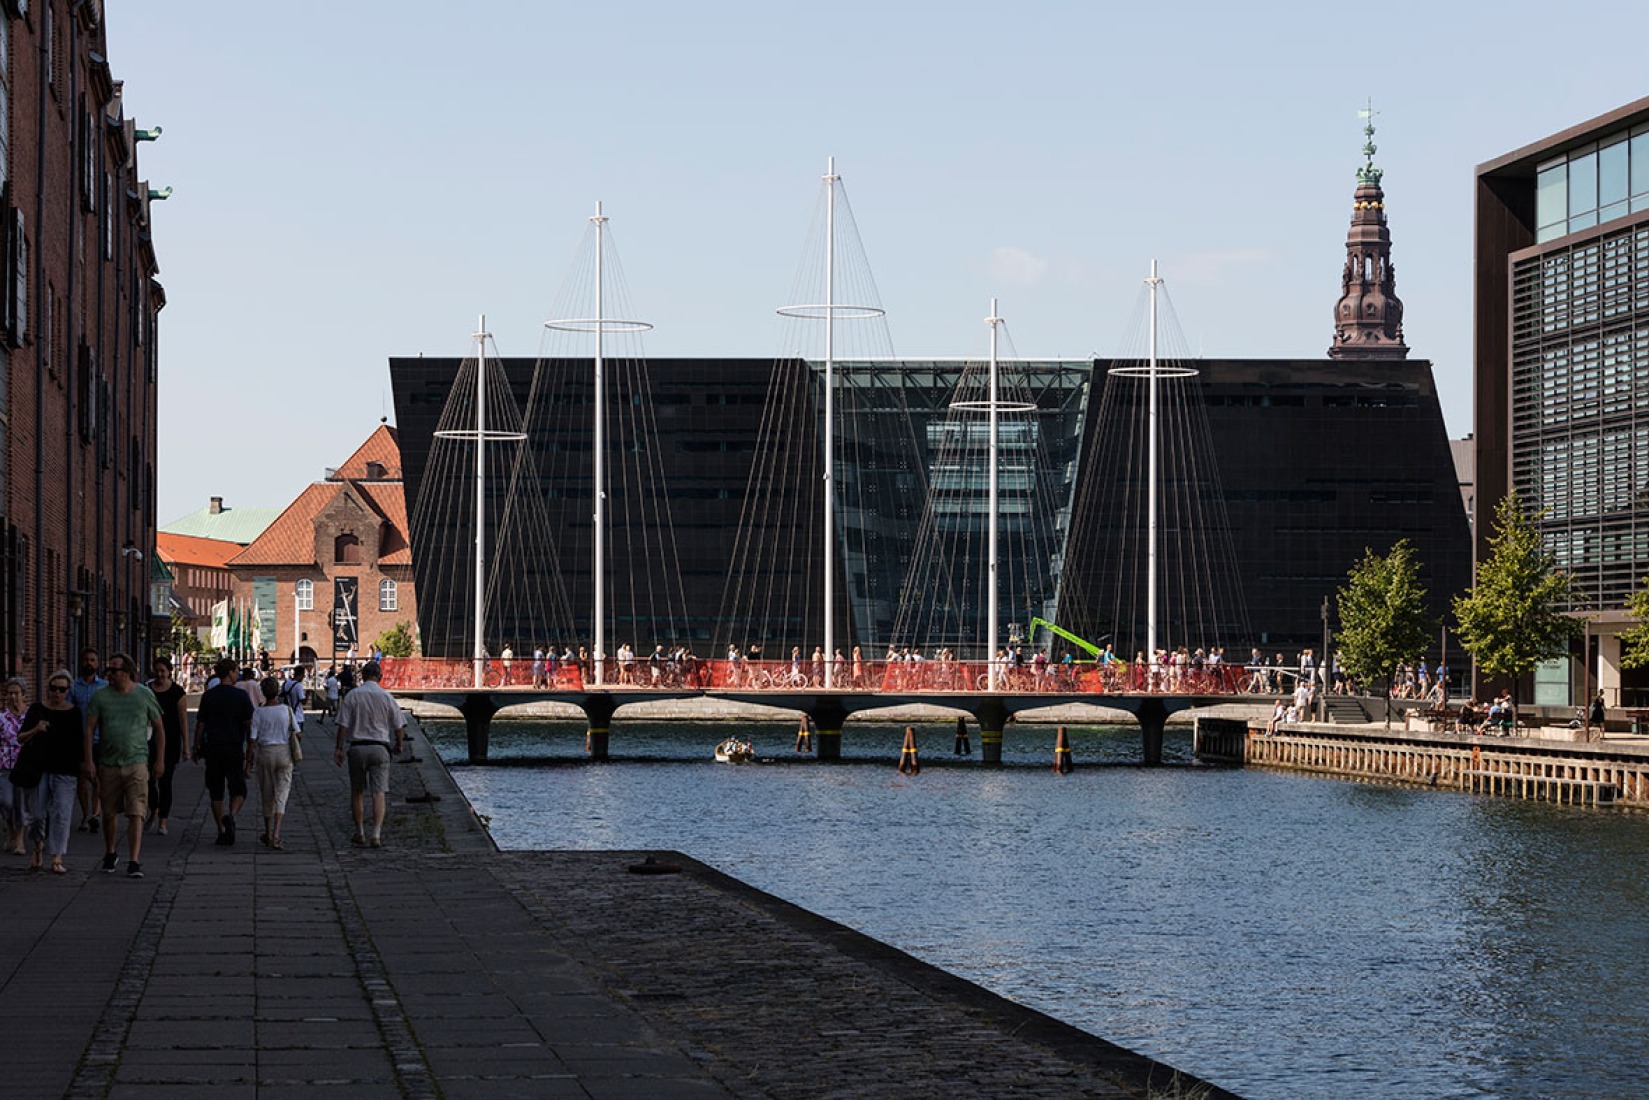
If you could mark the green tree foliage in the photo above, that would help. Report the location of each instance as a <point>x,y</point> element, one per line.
<point>1383,619</point>
<point>397,641</point>
<point>1634,643</point>
<point>1512,618</point>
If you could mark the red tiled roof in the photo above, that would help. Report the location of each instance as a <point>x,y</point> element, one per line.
<point>290,540</point>
<point>194,550</point>
<point>382,447</point>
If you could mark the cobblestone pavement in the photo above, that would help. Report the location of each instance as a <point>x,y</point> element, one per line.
<point>439,967</point>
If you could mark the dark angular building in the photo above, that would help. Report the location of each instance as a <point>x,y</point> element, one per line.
<point>1300,466</point>
<point>1562,369</point>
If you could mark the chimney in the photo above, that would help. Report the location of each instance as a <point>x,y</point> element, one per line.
<point>217,507</point>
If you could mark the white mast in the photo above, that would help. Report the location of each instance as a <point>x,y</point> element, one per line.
<point>600,571</point>
<point>599,325</point>
<point>828,312</point>
<point>830,424</point>
<point>1151,487</point>
<point>480,498</point>
<point>991,616</point>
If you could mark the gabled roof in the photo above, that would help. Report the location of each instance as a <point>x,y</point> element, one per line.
<point>238,525</point>
<point>290,539</point>
<point>383,447</point>
<point>193,550</point>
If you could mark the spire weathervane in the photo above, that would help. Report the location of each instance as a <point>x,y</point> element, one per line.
<point>1368,173</point>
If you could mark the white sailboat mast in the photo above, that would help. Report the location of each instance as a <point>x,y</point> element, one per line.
<point>480,500</point>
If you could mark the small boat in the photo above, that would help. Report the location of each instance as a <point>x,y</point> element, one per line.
<point>735,751</point>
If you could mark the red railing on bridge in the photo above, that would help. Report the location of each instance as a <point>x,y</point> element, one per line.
<point>786,677</point>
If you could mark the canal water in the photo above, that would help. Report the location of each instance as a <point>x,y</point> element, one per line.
<point>1281,935</point>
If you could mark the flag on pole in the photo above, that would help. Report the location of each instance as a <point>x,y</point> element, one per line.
<point>220,625</point>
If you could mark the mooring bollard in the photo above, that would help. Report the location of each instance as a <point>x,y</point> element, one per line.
<point>1062,753</point>
<point>964,746</point>
<point>804,736</point>
<point>908,763</point>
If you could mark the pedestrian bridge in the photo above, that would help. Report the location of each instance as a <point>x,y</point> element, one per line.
<point>1150,692</point>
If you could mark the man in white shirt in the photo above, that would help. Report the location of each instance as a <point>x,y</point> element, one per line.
<point>371,727</point>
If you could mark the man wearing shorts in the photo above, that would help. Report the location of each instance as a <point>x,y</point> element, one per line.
<point>371,728</point>
<point>121,718</point>
<point>221,727</point>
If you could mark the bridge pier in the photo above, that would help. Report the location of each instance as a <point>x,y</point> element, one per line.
<point>598,710</point>
<point>828,716</point>
<point>478,710</point>
<point>1153,716</point>
<point>993,718</point>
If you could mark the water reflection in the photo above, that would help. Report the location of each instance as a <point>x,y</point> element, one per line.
<point>1283,935</point>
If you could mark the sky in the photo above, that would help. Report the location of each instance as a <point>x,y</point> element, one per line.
<point>360,179</point>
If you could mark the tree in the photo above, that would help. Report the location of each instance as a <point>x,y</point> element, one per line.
<point>1383,618</point>
<point>397,641</point>
<point>1634,642</point>
<point>1513,618</point>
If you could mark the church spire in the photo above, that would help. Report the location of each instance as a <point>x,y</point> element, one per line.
<point>1368,318</point>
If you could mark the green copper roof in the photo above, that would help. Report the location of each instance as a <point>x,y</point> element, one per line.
<point>240,525</point>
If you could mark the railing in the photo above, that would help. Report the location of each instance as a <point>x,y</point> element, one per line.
<point>879,677</point>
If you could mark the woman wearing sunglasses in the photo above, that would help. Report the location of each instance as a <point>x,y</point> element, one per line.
<point>52,734</point>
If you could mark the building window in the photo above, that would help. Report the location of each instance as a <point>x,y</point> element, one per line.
<point>346,550</point>
<point>305,595</point>
<point>388,596</point>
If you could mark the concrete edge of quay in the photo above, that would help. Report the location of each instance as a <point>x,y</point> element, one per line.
<point>1069,1042</point>
<point>1148,1076</point>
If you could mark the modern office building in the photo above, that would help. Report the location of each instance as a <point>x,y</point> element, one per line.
<point>79,303</point>
<point>1562,367</point>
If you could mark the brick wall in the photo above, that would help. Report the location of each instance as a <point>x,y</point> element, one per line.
<point>79,403</point>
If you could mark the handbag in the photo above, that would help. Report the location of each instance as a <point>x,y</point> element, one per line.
<point>28,771</point>
<point>295,739</point>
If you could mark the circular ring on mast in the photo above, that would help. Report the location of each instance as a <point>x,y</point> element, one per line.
<point>1161,370</point>
<point>821,312</point>
<point>490,435</point>
<point>1000,406</point>
<point>597,324</point>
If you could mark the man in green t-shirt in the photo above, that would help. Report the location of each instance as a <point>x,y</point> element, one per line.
<point>123,716</point>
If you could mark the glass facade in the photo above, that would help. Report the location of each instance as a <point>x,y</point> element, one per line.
<point>1580,389</point>
<point>1596,183</point>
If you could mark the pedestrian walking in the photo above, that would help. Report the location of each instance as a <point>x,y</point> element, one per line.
<point>371,728</point>
<point>120,720</point>
<point>53,740</point>
<point>222,724</point>
<point>175,717</point>
<point>274,730</point>
<point>12,710</point>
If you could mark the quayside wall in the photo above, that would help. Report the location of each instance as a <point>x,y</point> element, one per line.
<point>1583,773</point>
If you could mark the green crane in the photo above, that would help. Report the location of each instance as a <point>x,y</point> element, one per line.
<point>1081,643</point>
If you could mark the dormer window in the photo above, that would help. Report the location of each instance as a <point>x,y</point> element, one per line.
<point>346,550</point>
<point>374,471</point>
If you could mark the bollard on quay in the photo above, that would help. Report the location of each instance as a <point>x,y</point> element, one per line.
<point>1062,753</point>
<point>908,763</point>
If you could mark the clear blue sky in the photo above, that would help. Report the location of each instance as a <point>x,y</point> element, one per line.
<point>357,179</point>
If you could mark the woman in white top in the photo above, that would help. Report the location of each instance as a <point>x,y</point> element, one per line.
<point>273,729</point>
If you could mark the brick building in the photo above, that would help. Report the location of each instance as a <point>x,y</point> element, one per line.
<point>78,312</point>
<point>336,567</point>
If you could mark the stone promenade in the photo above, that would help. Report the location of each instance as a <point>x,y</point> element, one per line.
<point>440,967</point>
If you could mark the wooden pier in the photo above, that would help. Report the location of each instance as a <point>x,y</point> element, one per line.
<point>1570,772</point>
